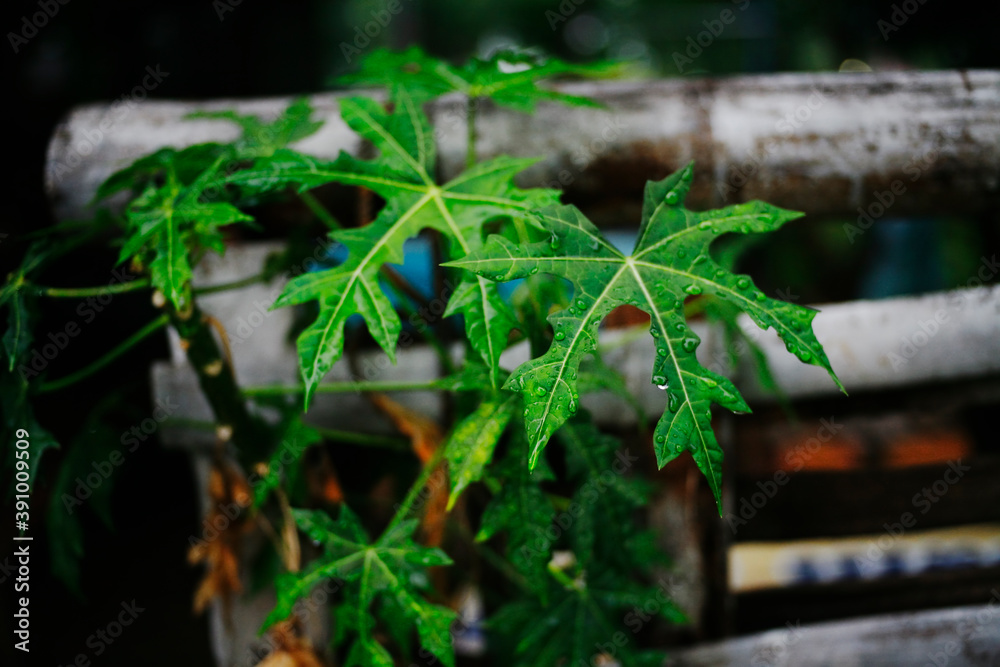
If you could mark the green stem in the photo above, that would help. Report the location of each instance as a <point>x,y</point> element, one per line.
<point>250,433</point>
<point>123,347</point>
<point>432,340</point>
<point>236,284</point>
<point>346,387</point>
<point>319,210</point>
<point>470,123</point>
<point>404,508</point>
<point>386,441</point>
<point>83,292</point>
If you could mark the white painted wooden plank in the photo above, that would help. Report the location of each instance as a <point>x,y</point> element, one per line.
<point>821,143</point>
<point>958,637</point>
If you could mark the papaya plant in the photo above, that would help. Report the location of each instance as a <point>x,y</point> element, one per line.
<point>519,452</point>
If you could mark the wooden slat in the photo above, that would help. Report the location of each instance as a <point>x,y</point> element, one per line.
<point>960,637</point>
<point>759,610</point>
<point>829,504</point>
<point>819,143</point>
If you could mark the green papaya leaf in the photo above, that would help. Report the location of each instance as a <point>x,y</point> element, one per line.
<point>390,567</point>
<point>471,444</point>
<point>670,262</point>
<point>509,77</point>
<point>522,510</point>
<point>402,176</point>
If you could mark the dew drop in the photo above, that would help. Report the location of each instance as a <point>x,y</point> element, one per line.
<point>663,386</point>
<point>671,197</point>
<point>681,253</point>
<point>804,355</point>
<point>689,344</point>
<point>743,283</point>
<point>534,270</point>
<point>581,304</point>
<point>701,259</point>
<point>559,335</point>
<point>705,225</point>
<point>693,289</point>
<point>719,273</point>
<point>540,391</point>
<point>680,326</point>
<point>659,380</point>
<point>709,382</point>
<point>760,296</point>
<point>660,439</point>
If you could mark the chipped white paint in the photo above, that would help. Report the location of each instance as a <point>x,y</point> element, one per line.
<point>853,129</point>
<point>959,637</point>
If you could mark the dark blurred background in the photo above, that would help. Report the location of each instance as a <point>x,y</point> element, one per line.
<point>89,51</point>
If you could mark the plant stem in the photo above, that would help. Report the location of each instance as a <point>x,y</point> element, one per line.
<point>345,387</point>
<point>123,347</point>
<point>82,292</point>
<point>252,436</point>
<point>470,124</point>
<point>418,486</point>
<point>319,210</point>
<point>223,287</point>
<point>387,441</point>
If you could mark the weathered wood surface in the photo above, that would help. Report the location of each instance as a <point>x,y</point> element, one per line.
<point>820,143</point>
<point>960,637</point>
<point>860,338</point>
